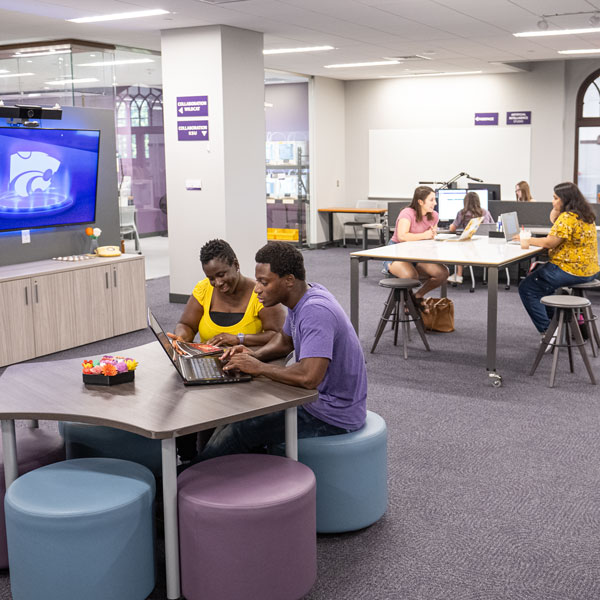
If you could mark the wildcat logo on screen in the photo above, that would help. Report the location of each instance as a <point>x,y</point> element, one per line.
<point>31,190</point>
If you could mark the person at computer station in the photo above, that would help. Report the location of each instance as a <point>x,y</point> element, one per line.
<point>573,250</point>
<point>471,209</point>
<point>522,192</point>
<point>418,222</point>
<point>328,357</point>
<point>224,310</point>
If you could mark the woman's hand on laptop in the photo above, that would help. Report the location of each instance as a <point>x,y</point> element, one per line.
<point>224,339</point>
<point>174,339</point>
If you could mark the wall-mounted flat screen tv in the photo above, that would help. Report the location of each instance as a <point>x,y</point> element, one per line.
<point>48,177</point>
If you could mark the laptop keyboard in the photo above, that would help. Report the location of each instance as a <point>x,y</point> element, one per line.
<point>205,369</point>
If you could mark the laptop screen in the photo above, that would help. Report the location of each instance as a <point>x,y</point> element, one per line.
<point>165,342</point>
<point>510,225</point>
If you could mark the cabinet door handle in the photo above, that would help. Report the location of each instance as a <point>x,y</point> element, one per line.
<point>106,276</point>
<point>115,276</point>
<point>26,296</point>
<point>37,299</point>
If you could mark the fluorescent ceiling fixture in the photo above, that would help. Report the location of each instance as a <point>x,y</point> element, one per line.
<point>118,16</point>
<point>292,50</point>
<point>557,32</point>
<point>110,63</point>
<point>18,75</point>
<point>268,105</point>
<point>376,63</point>
<point>431,74</point>
<point>583,51</point>
<point>4,71</point>
<point>44,53</point>
<point>64,81</point>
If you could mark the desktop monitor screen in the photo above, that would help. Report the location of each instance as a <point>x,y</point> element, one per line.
<point>48,177</point>
<point>451,201</point>
<point>493,189</point>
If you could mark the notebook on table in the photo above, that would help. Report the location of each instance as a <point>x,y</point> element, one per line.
<point>467,234</point>
<point>510,227</point>
<point>194,370</point>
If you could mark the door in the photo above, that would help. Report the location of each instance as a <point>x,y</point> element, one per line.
<point>16,322</point>
<point>128,282</point>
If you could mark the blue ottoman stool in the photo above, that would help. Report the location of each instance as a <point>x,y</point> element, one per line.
<point>351,472</point>
<point>90,441</point>
<point>82,529</point>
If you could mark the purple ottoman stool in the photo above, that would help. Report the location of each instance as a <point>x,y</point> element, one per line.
<point>247,528</point>
<point>35,448</point>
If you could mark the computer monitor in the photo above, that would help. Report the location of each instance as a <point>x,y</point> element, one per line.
<point>451,201</point>
<point>492,188</point>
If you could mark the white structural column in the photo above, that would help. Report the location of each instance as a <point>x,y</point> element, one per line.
<point>225,64</point>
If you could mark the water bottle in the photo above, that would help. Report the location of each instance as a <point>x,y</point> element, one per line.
<point>499,224</point>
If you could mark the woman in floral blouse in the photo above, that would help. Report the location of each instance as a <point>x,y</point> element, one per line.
<point>573,250</point>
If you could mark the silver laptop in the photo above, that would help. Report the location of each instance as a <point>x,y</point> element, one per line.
<point>510,227</point>
<point>194,370</point>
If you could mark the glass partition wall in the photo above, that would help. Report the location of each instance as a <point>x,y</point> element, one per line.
<point>92,75</point>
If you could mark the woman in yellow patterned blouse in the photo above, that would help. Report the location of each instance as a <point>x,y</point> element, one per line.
<point>224,308</point>
<point>573,250</point>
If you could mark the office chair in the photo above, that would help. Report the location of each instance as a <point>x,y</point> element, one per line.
<point>359,221</point>
<point>128,226</point>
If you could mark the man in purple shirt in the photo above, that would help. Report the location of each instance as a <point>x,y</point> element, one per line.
<point>328,357</point>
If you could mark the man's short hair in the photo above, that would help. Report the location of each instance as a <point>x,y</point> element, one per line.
<point>217,249</point>
<point>283,259</point>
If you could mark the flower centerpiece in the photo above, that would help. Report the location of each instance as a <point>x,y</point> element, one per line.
<point>93,233</point>
<point>109,370</point>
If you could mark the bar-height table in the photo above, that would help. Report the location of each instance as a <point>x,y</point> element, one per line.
<point>493,253</point>
<point>156,405</point>
<point>359,211</point>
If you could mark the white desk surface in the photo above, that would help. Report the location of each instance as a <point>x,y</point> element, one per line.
<point>478,251</point>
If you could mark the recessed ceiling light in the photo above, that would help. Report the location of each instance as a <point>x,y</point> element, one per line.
<point>118,16</point>
<point>582,51</point>
<point>431,74</point>
<point>557,32</point>
<point>17,75</point>
<point>377,63</point>
<point>292,50</point>
<point>65,81</point>
<point>110,63</point>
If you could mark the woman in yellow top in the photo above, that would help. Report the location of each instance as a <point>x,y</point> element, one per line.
<point>224,308</point>
<point>573,250</point>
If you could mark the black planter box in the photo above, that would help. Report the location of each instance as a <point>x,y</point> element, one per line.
<point>112,380</point>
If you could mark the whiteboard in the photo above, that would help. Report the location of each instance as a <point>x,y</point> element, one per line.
<point>400,158</point>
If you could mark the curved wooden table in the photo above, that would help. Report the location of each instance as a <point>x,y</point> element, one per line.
<point>156,405</point>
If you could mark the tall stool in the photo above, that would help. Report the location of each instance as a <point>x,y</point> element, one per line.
<point>247,528</point>
<point>564,324</point>
<point>394,312</point>
<point>35,448</point>
<point>82,528</point>
<point>351,472</point>
<point>589,318</point>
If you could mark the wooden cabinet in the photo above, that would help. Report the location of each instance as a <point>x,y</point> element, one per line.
<point>50,306</point>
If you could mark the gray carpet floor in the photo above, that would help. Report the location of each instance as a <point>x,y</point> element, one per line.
<point>493,492</point>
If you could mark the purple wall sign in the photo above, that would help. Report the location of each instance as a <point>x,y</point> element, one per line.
<point>486,118</point>
<point>192,106</point>
<point>522,117</point>
<point>192,131</point>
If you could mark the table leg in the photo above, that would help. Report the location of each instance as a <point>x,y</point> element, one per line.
<point>9,449</point>
<point>330,216</point>
<point>364,247</point>
<point>492,318</point>
<point>169,475</point>
<point>354,292</point>
<point>291,433</point>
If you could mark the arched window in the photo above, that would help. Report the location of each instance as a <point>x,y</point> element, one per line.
<point>587,138</point>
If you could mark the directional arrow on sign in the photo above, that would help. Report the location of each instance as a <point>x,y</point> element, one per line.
<point>180,110</point>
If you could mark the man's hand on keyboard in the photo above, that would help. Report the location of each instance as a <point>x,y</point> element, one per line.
<point>243,361</point>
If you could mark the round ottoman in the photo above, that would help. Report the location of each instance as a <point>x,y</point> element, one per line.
<point>89,441</point>
<point>81,529</point>
<point>247,528</point>
<point>351,472</point>
<point>35,448</point>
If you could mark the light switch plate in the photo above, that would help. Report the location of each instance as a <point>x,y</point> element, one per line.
<point>25,236</point>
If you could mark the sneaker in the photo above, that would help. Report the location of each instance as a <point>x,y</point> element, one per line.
<point>550,346</point>
<point>454,278</point>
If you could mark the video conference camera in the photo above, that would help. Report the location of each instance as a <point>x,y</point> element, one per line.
<point>22,114</point>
